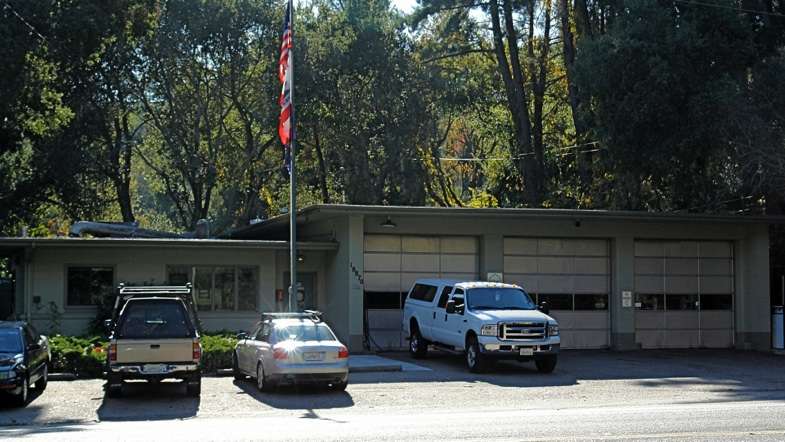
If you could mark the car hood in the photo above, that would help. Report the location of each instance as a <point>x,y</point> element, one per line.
<point>7,359</point>
<point>512,315</point>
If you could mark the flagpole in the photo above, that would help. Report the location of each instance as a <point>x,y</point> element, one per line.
<point>292,179</point>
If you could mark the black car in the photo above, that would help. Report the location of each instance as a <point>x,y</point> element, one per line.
<point>24,360</point>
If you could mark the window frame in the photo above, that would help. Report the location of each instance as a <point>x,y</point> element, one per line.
<point>236,268</point>
<point>83,307</point>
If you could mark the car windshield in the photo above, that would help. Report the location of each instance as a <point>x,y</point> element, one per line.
<point>10,341</point>
<point>493,298</point>
<point>304,332</point>
<point>154,319</point>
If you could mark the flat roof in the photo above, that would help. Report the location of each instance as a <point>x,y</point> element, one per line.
<point>320,211</point>
<point>22,242</point>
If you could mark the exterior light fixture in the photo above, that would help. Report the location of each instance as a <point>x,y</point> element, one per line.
<point>389,224</point>
<point>300,258</point>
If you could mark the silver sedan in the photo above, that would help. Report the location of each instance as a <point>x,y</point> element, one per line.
<point>291,351</point>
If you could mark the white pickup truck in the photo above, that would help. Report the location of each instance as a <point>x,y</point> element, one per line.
<point>485,320</point>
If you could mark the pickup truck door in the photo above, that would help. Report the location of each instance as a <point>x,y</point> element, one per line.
<point>455,324</point>
<point>438,313</point>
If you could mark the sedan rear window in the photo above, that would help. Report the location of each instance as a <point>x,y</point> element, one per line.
<point>154,319</point>
<point>304,332</point>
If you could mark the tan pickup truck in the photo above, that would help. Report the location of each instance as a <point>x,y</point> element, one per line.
<point>154,337</point>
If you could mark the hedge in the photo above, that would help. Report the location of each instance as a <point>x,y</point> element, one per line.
<point>86,356</point>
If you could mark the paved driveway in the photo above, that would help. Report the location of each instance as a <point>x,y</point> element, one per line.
<point>582,379</point>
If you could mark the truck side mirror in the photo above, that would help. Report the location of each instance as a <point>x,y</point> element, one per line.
<point>242,335</point>
<point>450,306</point>
<point>108,325</point>
<point>543,307</point>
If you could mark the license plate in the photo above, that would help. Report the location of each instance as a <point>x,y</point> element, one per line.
<point>313,356</point>
<point>154,368</point>
<point>526,351</point>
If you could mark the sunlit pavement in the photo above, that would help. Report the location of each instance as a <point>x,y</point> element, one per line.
<point>694,395</point>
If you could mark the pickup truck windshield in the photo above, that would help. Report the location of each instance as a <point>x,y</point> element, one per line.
<point>490,298</point>
<point>10,341</point>
<point>154,319</point>
<point>315,332</point>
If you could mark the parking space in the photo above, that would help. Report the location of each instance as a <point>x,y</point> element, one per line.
<point>588,379</point>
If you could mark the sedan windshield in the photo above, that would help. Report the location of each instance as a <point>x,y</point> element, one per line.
<point>304,332</point>
<point>492,298</point>
<point>10,341</point>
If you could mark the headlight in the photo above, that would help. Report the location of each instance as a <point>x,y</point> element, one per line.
<point>489,330</point>
<point>553,329</point>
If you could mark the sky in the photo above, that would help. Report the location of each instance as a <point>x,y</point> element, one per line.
<point>405,5</point>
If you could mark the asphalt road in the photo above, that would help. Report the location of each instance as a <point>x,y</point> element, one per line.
<point>598,395</point>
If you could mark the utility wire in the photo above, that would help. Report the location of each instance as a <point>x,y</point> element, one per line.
<point>32,28</point>
<point>732,8</point>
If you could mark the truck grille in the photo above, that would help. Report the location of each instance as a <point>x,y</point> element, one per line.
<point>523,330</point>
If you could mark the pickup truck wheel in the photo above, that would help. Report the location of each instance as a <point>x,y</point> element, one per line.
<point>40,384</point>
<point>545,364</point>
<point>418,346</point>
<point>474,359</point>
<point>194,389</point>
<point>238,376</point>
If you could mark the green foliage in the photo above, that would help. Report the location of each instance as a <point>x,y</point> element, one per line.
<point>217,352</point>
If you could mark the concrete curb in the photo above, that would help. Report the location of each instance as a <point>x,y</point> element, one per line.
<point>62,377</point>
<point>375,368</point>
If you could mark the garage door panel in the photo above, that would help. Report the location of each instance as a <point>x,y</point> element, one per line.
<point>587,284</point>
<point>459,245</point>
<point>387,338</point>
<point>555,265</point>
<point>681,249</point>
<point>649,249</point>
<point>408,278</point>
<point>681,339</point>
<point>682,266</point>
<point>528,282</point>
<point>597,266</point>
<point>716,249</point>
<point>585,320</point>
<point>554,284</point>
<point>382,243</point>
<point>381,262</point>
<point>385,319</point>
<point>460,276</point>
<point>520,264</point>
<point>382,282</point>
<point>585,339</point>
<point>520,246</point>
<point>649,266</point>
<point>649,320</point>
<point>648,339</point>
<point>458,263</point>
<point>714,319</point>
<point>716,284</point>
<point>591,247</point>
<point>420,263</point>
<point>420,244</point>
<point>649,284</point>
<point>716,266</point>
<point>548,246</point>
<point>681,320</point>
<point>681,285</point>
<point>717,338</point>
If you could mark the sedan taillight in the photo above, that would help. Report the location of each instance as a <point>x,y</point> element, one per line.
<point>343,353</point>
<point>280,353</point>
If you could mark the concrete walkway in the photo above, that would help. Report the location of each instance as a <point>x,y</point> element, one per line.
<point>373,363</point>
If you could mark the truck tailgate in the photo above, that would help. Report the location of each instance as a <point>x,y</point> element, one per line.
<point>154,350</point>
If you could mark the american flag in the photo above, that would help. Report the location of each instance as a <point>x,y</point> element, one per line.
<point>285,129</point>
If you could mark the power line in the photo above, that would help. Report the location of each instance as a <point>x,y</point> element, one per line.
<point>732,8</point>
<point>25,22</point>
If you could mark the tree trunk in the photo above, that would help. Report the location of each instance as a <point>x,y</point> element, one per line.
<point>538,72</point>
<point>512,76</point>
<point>322,167</point>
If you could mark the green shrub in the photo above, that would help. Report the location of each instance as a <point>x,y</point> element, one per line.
<point>86,356</point>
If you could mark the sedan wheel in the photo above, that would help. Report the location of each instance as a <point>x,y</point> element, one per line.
<point>23,396</point>
<point>261,381</point>
<point>40,384</point>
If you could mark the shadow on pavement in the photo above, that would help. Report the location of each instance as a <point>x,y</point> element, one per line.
<point>736,374</point>
<point>149,401</point>
<point>12,414</point>
<point>298,398</point>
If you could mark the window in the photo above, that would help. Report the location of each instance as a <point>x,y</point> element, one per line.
<point>86,286</point>
<point>444,297</point>
<point>423,292</point>
<point>557,301</point>
<point>681,302</point>
<point>649,302</point>
<point>221,288</point>
<point>716,302</point>
<point>591,302</point>
<point>304,332</point>
<point>154,319</point>
<point>383,300</point>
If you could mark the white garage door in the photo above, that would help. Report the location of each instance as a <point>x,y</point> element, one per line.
<point>573,276</point>
<point>684,294</point>
<point>394,262</point>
